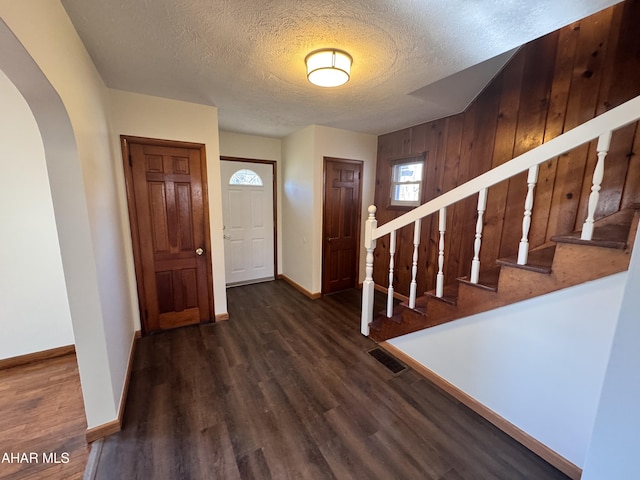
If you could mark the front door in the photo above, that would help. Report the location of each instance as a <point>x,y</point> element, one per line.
<point>247,211</point>
<point>341,224</point>
<point>166,186</point>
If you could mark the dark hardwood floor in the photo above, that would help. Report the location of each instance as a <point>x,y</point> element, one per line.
<point>286,389</point>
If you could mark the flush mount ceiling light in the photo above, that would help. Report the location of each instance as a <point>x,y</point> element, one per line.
<point>328,67</point>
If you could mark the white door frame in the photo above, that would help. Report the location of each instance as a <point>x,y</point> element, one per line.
<point>274,166</point>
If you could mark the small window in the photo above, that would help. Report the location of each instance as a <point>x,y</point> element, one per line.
<point>245,177</point>
<point>406,182</point>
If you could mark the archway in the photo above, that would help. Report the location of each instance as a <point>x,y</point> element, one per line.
<point>72,224</point>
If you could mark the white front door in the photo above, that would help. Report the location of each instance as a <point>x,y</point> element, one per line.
<point>247,209</point>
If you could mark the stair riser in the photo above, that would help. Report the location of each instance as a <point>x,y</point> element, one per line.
<point>573,264</point>
<point>635,221</point>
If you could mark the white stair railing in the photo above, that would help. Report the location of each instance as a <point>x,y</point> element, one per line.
<point>600,127</point>
<point>442,228</point>
<point>414,264</point>
<point>475,263</point>
<point>603,147</point>
<point>392,252</point>
<point>523,248</point>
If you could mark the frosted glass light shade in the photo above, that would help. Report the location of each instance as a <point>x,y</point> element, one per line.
<point>328,67</point>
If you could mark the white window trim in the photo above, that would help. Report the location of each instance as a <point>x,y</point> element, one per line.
<point>404,161</point>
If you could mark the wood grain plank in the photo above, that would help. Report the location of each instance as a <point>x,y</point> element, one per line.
<point>453,147</point>
<point>464,220</point>
<point>583,97</point>
<point>631,194</point>
<point>507,122</point>
<point>43,412</point>
<point>532,115</point>
<point>563,72</point>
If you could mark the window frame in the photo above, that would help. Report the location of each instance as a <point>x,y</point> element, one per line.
<point>245,171</point>
<point>393,183</point>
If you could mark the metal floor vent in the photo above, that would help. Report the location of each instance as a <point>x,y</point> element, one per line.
<point>387,360</point>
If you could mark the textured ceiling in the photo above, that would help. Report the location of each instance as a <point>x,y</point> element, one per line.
<point>414,60</point>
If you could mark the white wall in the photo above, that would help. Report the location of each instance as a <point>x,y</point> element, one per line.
<point>615,443</point>
<point>34,311</point>
<point>540,363</point>
<point>250,146</point>
<point>297,207</point>
<point>154,117</point>
<point>258,148</point>
<point>303,158</point>
<point>43,56</point>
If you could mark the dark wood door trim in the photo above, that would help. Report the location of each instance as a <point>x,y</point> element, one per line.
<point>358,216</point>
<point>274,165</point>
<point>125,141</point>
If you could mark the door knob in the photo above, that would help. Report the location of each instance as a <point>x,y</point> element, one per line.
<point>199,251</point>
<point>226,237</point>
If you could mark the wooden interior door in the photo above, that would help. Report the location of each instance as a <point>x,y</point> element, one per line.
<point>166,186</point>
<point>341,224</point>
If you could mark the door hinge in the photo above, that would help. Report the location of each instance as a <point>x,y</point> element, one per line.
<point>130,161</point>
<point>146,314</point>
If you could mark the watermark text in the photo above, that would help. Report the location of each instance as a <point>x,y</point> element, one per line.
<point>34,457</point>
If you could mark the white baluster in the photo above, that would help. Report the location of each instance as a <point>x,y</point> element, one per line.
<point>475,263</point>
<point>368,291</point>
<point>523,249</point>
<point>414,264</point>
<point>603,147</point>
<point>392,252</point>
<point>442,227</point>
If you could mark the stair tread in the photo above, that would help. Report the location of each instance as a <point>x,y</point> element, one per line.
<point>608,236</point>
<point>488,279</point>
<point>420,308</point>
<point>449,295</point>
<point>539,260</point>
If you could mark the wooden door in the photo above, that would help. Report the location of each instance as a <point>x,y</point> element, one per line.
<point>341,224</point>
<point>166,186</point>
<point>247,210</point>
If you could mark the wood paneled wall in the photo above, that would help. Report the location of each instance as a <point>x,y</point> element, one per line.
<point>550,86</point>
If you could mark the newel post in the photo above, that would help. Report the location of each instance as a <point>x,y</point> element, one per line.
<point>367,286</point>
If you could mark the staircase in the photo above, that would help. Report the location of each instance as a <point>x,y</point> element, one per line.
<point>566,261</point>
<point>602,247</point>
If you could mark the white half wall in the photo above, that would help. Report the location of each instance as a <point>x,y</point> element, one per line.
<point>540,364</point>
<point>34,310</point>
<point>161,118</point>
<point>615,443</point>
<point>303,156</point>
<point>255,147</point>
